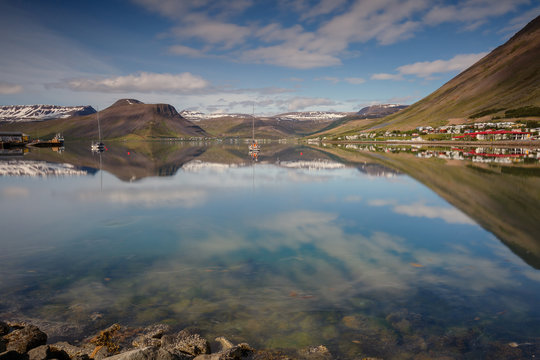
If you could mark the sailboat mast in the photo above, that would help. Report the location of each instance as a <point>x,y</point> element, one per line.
<point>253,124</point>
<point>98,125</point>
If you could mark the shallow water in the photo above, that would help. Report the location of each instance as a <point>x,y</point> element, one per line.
<point>307,246</point>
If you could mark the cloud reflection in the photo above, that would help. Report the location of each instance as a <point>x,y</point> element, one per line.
<point>149,197</point>
<point>449,215</point>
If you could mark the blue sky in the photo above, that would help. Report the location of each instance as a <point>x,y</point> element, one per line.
<point>225,55</point>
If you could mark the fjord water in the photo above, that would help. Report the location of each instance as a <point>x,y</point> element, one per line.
<point>360,251</point>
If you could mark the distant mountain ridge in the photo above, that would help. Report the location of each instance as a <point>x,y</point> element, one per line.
<point>22,113</point>
<point>299,115</point>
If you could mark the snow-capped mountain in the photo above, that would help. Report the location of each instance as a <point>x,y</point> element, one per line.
<point>380,110</point>
<point>23,113</point>
<point>197,115</point>
<point>297,116</point>
<point>311,115</point>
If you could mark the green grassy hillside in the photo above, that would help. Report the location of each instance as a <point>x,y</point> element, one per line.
<point>506,79</point>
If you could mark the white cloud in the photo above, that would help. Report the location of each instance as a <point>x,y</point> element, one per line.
<point>324,7</point>
<point>449,215</point>
<point>149,197</point>
<point>520,21</point>
<point>142,82</point>
<point>301,103</point>
<point>425,69</point>
<point>9,88</point>
<point>355,80</point>
<point>384,76</point>
<point>471,11</point>
<point>335,80</point>
<point>331,79</point>
<point>223,34</point>
<point>314,45</point>
<point>290,57</point>
<point>428,68</point>
<point>186,51</point>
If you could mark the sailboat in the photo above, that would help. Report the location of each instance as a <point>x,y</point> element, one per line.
<point>254,148</point>
<point>98,146</point>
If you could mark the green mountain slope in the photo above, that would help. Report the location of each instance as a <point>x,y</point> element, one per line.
<point>505,79</point>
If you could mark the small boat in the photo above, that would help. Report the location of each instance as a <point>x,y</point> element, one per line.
<point>254,147</point>
<point>56,141</point>
<point>98,146</point>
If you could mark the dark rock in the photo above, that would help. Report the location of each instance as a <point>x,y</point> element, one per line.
<point>45,352</point>
<point>3,345</point>
<point>151,336</point>
<point>156,331</point>
<point>25,339</point>
<point>163,354</point>
<point>239,352</point>
<point>315,353</point>
<point>39,353</point>
<point>72,351</point>
<point>4,329</point>
<point>148,353</point>
<point>13,355</point>
<point>185,342</point>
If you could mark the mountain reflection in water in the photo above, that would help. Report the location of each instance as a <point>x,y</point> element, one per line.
<point>372,252</point>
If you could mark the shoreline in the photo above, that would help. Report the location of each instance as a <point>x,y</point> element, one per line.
<point>501,143</point>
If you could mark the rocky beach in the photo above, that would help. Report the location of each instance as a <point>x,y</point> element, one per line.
<point>24,341</point>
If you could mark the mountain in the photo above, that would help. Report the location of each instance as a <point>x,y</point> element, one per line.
<point>311,115</point>
<point>380,110</point>
<point>22,113</point>
<point>265,127</point>
<point>507,79</point>
<point>125,119</point>
<point>300,116</point>
<point>197,115</point>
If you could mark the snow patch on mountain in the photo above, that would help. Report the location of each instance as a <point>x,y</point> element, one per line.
<point>294,116</point>
<point>197,115</point>
<point>311,115</point>
<point>24,113</point>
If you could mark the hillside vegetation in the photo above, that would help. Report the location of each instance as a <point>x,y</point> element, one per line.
<point>504,84</point>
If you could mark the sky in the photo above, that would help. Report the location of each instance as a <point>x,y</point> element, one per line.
<point>266,56</point>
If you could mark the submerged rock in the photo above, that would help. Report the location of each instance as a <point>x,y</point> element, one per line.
<point>320,352</point>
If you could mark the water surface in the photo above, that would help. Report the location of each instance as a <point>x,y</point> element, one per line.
<point>370,253</point>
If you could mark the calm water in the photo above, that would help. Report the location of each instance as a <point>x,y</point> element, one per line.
<point>341,246</point>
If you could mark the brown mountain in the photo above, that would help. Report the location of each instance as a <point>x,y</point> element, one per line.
<point>126,118</point>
